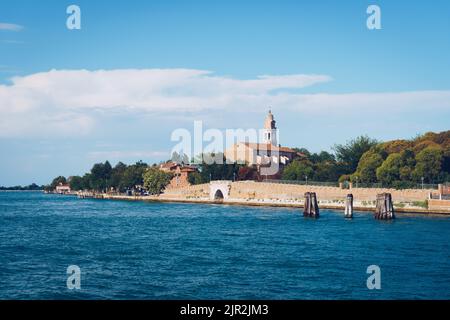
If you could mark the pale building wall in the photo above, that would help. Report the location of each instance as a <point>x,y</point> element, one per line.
<point>260,190</point>
<point>180,180</point>
<point>440,205</point>
<point>191,191</point>
<point>241,153</point>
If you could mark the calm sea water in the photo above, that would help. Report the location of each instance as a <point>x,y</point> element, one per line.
<point>136,250</point>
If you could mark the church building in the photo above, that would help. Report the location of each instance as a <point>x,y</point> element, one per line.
<point>264,153</point>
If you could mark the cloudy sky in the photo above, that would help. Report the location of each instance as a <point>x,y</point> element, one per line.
<point>135,72</point>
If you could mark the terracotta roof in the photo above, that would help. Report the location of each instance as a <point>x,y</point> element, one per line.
<point>269,147</point>
<point>173,166</point>
<point>188,169</point>
<point>168,165</point>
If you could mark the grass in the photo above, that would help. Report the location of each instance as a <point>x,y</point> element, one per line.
<point>421,204</point>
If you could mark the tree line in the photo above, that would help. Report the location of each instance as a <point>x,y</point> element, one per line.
<point>31,187</point>
<point>398,163</point>
<point>328,167</point>
<point>102,177</point>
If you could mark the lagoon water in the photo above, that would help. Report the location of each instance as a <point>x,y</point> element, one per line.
<point>136,250</point>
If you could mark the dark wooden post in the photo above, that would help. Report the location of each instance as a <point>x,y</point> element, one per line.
<point>315,206</point>
<point>307,204</point>
<point>349,206</point>
<point>384,209</point>
<point>311,208</point>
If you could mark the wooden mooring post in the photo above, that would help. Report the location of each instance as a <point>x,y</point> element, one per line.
<point>384,209</point>
<point>349,206</point>
<point>311,208</point>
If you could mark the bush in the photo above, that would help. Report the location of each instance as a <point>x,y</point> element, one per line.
<point>422,204</point>
<point>155,180</point>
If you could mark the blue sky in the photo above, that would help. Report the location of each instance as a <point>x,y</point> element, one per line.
<point>328,78</point>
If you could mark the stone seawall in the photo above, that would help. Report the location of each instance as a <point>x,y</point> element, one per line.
<point>199,191</point>
<point>249,190</point>
<point>439,205</point>
<point>289,195</point>
<point>262,190</point>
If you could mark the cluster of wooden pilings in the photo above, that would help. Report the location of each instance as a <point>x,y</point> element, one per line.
<point>384,209</point>
<point>311,208</point>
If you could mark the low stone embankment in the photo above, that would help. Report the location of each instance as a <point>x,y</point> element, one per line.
<point>289,195</point>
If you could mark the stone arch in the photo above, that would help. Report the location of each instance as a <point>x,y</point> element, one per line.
<point>218,196</point>
<point>219,190</point>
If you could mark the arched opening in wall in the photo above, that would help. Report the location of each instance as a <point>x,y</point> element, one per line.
<point>218,196</point>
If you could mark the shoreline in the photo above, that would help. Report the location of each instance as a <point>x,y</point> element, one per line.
<point>17,190</point>
<point>237,202</point>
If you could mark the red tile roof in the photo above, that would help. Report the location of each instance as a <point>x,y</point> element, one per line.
<point>270,147</point>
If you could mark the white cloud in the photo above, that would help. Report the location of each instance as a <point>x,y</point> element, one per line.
<point>149,89</point>
<point>10,26</point>
<point>63,102</point>
<point>368,103</point>
<point>127,154</point>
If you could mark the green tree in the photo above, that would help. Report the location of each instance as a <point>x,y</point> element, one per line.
<point>325,166</point>
<point>133,176</point>
<point>446,161</point>
<point>405,173</point>
<point>428,164</point>
<point>213,166</point>
<point>323,156</point>
<point>326,171</point>
<point>408,164</point>
<point>116,176</point>
<point>155,180</point>
<point>87,182</point>
<point>33,186</point>
<point>367,166</point>
<point>76,183</point>
<point>350,153</point>
<point>298,170</point>
<point>100,175</point>
<point>195,178</point>
<point>389,171</point>
<point>57,181</point>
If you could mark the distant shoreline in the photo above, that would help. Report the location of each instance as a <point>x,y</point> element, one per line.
<point>18,190</point>
<point>234,202</point>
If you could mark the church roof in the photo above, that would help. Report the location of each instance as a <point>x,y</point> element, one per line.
<point>270,147</point>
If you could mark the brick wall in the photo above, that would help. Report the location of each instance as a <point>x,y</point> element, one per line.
<point>259,190</point>
<point>439,205</point>
<point>190,191</point>
<point>262,190</point>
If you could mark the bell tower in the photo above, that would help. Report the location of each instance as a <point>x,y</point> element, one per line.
<point>270,130</point>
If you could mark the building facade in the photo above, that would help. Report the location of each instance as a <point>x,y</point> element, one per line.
<point>62,188</point>
<point>265,153</point>
<point>180,174</point>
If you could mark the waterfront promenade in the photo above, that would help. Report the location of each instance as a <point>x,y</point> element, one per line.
<point>286,195</point>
